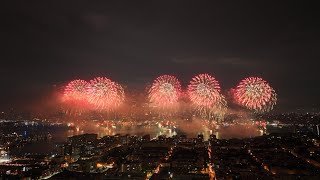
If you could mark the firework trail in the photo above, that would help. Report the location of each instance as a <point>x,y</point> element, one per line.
<point>256,94</point>
<point>220,108</point>
<point>165,92</point>
<point>119,94</point>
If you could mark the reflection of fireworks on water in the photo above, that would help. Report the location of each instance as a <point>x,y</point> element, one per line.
<point>105,94</point>
<point>165,92</point>
<point>167,128</point>
<point>256,94</point>
<point>204,93</point>
<point>74,96</point>
<point>168,123</point>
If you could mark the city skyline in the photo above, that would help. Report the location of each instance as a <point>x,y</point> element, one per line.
<point>171,89</point>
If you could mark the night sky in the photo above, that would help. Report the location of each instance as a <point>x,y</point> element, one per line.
<point>45,45</point>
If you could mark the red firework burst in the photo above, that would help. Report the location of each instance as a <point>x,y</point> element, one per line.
<point>204,90</point>
<point>74,96</point>
<point>76,90</point>
<point>255,93</point>
<point>104,93</point>
<point>165,92</point>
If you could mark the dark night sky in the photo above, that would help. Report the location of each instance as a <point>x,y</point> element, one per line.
<point>44,44</point>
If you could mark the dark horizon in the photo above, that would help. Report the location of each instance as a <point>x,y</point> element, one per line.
<point>45,45</point>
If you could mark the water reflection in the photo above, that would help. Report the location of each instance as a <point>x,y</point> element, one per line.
<point>221,132</point>
<point>224,131</point>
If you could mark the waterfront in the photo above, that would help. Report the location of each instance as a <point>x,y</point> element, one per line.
<point>60,134</point>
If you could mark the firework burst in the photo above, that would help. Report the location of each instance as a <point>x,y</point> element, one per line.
<point>165,92</point>
<point>74,97</point>
<point>204,93</point>
<point>75,90</point>
<point>256,94</point>
<point>105,94</point>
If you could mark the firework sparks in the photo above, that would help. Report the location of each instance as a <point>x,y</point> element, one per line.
<point>74,97</point>
<point>256,94</point>
<point>75,90</point>
<point>105,94</point>
<point>204,93</point>
<point>165,92</point>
